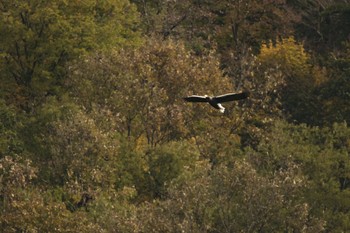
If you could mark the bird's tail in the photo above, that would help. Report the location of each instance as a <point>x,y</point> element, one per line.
<point>222,109</point>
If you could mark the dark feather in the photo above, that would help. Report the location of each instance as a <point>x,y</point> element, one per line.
<point>231,97</point>
<point>196,98</point>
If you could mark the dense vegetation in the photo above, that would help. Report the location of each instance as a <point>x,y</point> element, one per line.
<point>95,136</point>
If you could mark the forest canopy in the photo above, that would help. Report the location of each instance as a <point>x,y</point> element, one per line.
<point>95,135</point>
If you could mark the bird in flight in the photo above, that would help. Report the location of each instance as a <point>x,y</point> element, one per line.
<point>216,101</point>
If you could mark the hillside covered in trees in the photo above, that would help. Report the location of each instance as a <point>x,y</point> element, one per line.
<point>95,135</point>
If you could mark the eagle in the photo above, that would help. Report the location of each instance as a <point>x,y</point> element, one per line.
<point>216,101</point>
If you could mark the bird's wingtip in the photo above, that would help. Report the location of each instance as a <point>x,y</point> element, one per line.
<point>246,93</point>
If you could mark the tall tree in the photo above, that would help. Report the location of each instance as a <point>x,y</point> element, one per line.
<point>231,24</point>
<point>298,99</point>
<point>39,37</point>
<point>143,89</point>
<point>323,24</point>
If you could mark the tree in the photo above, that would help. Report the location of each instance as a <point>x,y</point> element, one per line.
<point>334,91</point>
<point>27,208</point>
<point>323,24</point>
<point>70,149</point>
<point>232,197</point>
<point>322,154</point>
<point>298,97</point>
<point>143,89</point>
<point>39,37</point>
<point>232,24</point>
<point>11,123</point>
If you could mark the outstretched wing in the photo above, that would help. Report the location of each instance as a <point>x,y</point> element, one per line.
<point>196,98</point>
<point>231,97</point>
